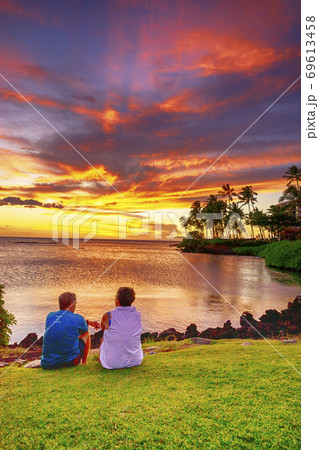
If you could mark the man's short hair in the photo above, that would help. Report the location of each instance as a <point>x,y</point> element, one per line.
<point>125,295</point>
<point>66,299</point>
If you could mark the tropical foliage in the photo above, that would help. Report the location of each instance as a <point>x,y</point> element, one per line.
<point>6,320</point>
<point>293,175</point>
<point>284,254</point>
<point>270,224</point>
<point>228,192</point>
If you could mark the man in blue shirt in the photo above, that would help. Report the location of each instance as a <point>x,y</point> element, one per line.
<point>66,340</point>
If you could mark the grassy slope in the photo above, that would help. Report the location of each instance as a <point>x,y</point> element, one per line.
<point>282,254</point>
<point>220,396</point>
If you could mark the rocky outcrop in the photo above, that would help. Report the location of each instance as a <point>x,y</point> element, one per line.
<point>272,323</point>
<point>149,336</point>
<point>201,341</point>
<point>170,335</point>
<point>29,340</point>
<point>36,364</point>
<point>191,331</point>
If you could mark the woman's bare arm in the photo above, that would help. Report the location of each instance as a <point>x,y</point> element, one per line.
<point>105,321</point>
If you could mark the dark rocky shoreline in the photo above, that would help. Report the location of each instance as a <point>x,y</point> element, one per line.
<point>272,324</point>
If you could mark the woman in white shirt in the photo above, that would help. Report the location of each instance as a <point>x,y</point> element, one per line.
<point>121,343</point>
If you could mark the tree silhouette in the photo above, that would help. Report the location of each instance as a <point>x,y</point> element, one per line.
<point>248,197</point>
<point>228,192</point>
<point>293,175</point>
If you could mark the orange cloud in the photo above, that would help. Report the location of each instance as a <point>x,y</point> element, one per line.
<point>206,52</point>
<point>191,101</point>
<point>185,103</point>
<point>227,54</point>
<point>7,94</point>
<point>87,174</point>
<point>110,117</point>
<point>175,167</point>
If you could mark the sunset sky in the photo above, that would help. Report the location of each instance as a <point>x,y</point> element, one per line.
<point>150,93</point>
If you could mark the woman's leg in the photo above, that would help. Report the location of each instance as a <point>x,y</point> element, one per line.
<point>100,350</point>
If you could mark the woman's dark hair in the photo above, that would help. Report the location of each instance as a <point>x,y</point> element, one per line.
<point>125,295</point>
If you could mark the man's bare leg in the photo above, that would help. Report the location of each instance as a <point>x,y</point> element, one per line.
<point>87,339</point>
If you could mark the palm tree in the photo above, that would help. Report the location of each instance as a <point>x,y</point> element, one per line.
<point>234,208</point>
<point>195,208</point>
<point>210,201</point>
<point>293,175</point>
<point>228,192</point>
<point>291,194</point>
<point>259,219</point>
<point>215,206</point>
<point>293,198</point>
<point>248,197</point>
<point>192,223</point>
<point>273,209</point>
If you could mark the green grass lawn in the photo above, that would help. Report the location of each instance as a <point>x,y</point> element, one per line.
<point>223,395</point>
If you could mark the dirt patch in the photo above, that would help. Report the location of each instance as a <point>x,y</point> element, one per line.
<point>31,355</point>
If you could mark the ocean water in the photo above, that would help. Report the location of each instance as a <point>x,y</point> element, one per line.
<point>169,291</point>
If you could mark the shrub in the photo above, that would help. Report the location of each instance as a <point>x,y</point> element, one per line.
<point>285,254</point>
<point>282,254</point>
<point>192,245</point>
<point>6,319</point>
<point>198,244</point>
<point>254,251</point>
<point>270,316</point>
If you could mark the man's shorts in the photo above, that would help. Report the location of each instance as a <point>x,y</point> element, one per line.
<point>77,360</point>
<point>74,361</point>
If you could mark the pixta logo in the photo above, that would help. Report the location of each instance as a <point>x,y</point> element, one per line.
<point>71,221</point>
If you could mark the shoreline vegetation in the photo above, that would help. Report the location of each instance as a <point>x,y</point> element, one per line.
<point>272,324</point>
<point>283,254</point>
<point>218,224</point>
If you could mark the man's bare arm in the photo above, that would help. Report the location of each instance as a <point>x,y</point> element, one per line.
<point>93,323</point>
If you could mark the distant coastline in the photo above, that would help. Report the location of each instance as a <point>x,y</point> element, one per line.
<point>25,240</point>
<point>283,254</point>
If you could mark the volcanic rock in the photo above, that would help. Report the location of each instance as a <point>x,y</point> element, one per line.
<point>36,364</point>
<point>191,331</point>
<point>29,340</point>
<point>149,336</point>
<point>170,335</point>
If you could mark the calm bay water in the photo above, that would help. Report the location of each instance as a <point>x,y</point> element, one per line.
<point>169,292</point>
